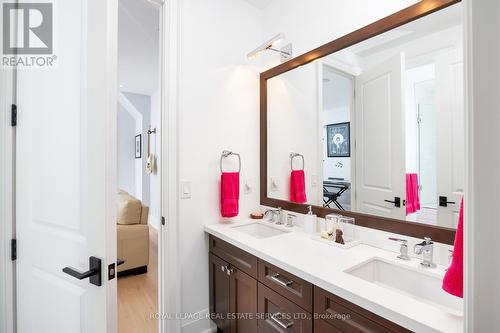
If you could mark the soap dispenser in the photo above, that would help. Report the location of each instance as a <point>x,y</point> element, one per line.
<point>310,222</point>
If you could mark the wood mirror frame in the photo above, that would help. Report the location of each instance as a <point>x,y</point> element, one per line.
<point>409,14</point>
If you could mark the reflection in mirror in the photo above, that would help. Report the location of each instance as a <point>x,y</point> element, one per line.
<point>380,125</point>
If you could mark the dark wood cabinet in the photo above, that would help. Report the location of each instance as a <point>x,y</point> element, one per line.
<point>242,302</point>
<point>248,295</point>
<point>345,316</point>
<point>279,315</point>
<point>233,297</point>
<point>238,258</point>
<point>292,287</point>
<point>321,326</point>
<point>219,292</point>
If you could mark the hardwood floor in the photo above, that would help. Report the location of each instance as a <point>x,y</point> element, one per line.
<point>138,295</point>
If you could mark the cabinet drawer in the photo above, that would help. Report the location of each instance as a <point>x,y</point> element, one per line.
<point>321,326</point>
<point>286,284</point>
<point>278,314</point>
<point>234,256</point>
<point>348,317</point>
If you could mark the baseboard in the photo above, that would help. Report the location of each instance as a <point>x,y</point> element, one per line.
<point>154,221</point>
<point>202,324</point>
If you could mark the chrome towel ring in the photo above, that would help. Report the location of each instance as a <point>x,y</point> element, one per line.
<point>292,156</point>
<point>227,153</point>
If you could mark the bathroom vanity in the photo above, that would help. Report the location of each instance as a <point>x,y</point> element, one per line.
<point>285,281</point>
<point>369,126</point>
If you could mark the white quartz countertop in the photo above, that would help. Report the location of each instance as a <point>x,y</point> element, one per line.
<point>324,266</point>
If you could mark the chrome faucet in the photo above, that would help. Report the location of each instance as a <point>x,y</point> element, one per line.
<point>276,215</point>
<point>426,249</point>
<point>403,250</point>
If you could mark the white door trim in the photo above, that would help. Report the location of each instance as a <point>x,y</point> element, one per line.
<point>469,174</point>
<point>7,230</point>
<point>170,272</point>
<point>481,228</point>
<point>111,162</point>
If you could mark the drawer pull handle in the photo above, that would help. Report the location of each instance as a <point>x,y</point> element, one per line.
<point>230,271</point>
<point>276,278</point>
<point>276,317</point>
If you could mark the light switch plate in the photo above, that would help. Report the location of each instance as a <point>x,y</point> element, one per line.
<point>314,180</point>
<point>185,190</point>
<point>247,187</point>
<point>274,184</point>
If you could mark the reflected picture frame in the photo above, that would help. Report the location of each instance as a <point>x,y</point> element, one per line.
<point>338,137</point>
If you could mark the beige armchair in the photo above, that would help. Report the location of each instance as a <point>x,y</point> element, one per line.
<point>132,235</point>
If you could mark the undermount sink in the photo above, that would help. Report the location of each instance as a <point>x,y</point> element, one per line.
<point>416,283</point>
<point>258,230</point>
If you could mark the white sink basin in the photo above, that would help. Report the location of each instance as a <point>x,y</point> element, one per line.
<point>414,282</point>
<point>258,230</point>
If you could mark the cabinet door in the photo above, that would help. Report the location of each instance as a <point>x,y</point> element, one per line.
<point>243,302</point>
<point>219,293</point>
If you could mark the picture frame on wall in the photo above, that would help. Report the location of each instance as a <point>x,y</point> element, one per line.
<point>338,138</point>
<point>138,146</point>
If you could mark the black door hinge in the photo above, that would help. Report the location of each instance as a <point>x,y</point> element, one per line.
<point>163,220</point>
<point>13,249</point>
<point>13,116</point>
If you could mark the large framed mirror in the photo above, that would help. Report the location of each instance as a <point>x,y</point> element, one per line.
<point>373,125</point>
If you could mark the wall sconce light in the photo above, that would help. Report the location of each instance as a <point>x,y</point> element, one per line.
<point>285,52</point>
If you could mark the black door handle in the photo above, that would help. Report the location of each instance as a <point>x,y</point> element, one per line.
<point>396,202</point>
<point>94,272</point>
<point>443,201</point>
<point>119,262</point>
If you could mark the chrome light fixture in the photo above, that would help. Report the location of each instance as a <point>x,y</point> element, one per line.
<point>285,52</point>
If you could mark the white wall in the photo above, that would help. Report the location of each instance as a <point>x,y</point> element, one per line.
<point>126,128</point>
<point>218,109</point>
<point>293,127</point>
<point>142,103</point>
<point>482,227</point>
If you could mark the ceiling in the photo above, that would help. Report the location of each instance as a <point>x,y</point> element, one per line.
<point>138,46</point>
<point>261,4</point>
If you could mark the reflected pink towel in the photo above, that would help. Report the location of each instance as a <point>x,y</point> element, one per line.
<point>298,186</point>
<point>412,198</point>
<point>229,194</point>
<point>453,281</point>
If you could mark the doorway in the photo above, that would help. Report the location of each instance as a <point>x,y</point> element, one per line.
<point>138,170</point>
<point>337,136</point>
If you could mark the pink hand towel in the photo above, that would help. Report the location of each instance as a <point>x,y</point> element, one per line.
<point>412,199</point>
<point>453,281</point>
<point>229,194</point>
<point>298,186</point>
<point>416,197</point>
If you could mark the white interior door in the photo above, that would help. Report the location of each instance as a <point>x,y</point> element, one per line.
<point>65,175</point>
<point>380,144</point>
<point>450,118</point>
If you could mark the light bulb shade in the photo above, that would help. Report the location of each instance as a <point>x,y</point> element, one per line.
<point>270,43</point>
